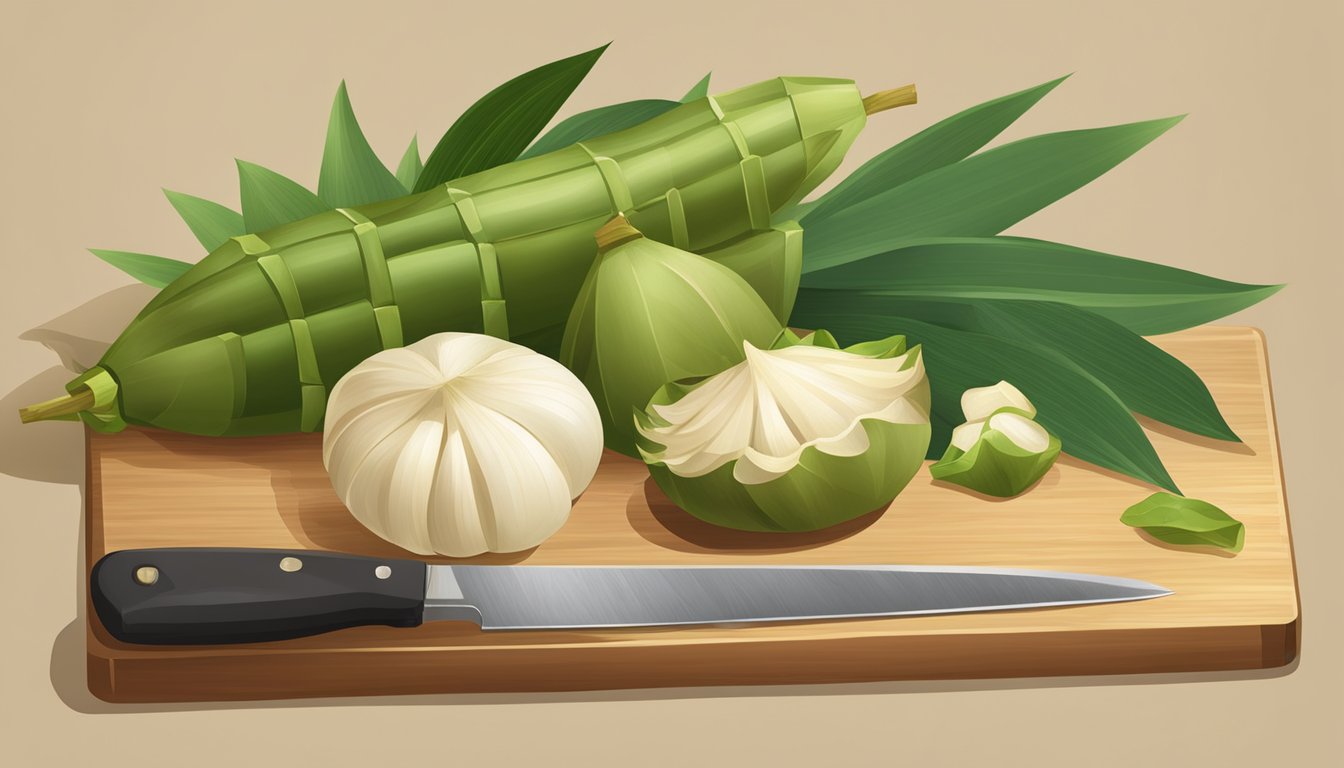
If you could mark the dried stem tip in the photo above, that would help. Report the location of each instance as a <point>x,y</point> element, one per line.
<point>884,100</point>
<point>64,405</point>
<point>615,232</point>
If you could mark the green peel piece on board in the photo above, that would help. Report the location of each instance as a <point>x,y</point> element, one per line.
<point>995,464</point>
<point>1185,521</point>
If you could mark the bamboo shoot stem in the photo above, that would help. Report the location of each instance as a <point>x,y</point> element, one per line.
<point>57,407</point>
<point>614,233</point>
<point>884,100</point>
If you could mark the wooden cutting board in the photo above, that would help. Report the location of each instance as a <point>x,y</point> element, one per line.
<point>158,489</point>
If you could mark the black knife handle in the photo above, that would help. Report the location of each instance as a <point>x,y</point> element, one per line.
<point>208,595</point>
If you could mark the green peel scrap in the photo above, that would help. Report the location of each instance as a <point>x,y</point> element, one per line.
<point>1186,522</point>
<point>1000,450</point>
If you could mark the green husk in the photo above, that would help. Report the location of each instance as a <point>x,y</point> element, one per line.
<point>649,313</point>
<point>351,173</point>
<point>1184,521</point>
<point>698,91</point>
<point>995,465</point>
<point>154,271</point>
<point>410,166</point>
<point>210,222</point>
<point>771,261</point>
<point>822,490</point>
<point>270,200</point>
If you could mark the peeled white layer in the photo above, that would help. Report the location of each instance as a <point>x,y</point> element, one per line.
<point>461,444</point>
<point>765,411</point>
<point>979,403</point>
<point>1023,432</point>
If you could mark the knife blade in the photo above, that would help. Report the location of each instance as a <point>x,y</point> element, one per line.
<point>211,595</point>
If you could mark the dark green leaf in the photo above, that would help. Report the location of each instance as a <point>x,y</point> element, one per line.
<point>698,91</point>
<point>1088,417</point>
<point>1148,380</point>
<point>408,170</point>
<point>943,143</point>
<point>270,199</point>
<point>497,128</point>
<point>154,271</point>
<point>1145,298</point>
<point>1179,520</point>
<point>597,122</point>
<point>794,212</point>
<point>351,173</point>
<point>981,195</point>
<point>210,222</point>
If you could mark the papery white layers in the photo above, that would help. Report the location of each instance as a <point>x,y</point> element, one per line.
<point>765,411</point>
<point>460,444</point>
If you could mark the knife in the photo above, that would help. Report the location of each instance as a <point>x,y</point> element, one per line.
<point>209,595</point>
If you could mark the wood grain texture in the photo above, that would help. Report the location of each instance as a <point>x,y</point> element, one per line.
<point>158,489</point>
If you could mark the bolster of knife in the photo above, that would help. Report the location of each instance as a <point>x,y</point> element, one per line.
<point>212,595</point>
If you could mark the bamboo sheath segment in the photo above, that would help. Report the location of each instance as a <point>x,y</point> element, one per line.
<point>250,340</point>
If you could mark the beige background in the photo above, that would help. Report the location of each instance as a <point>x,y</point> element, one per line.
<point>105,103</point>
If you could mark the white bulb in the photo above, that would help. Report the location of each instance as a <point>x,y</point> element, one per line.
<point>461,444</point>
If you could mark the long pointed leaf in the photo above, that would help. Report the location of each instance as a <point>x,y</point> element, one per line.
<point>1148,380</point>
<point>1091,421</point>
<point>408,170</point>
<point>795,212</point>
<point>270,199</point>
<point>981,195</point>
<point>1146,298</point>
<point>211,223</point>
<point>155,271</point>
<point>942,143</point>
<point>698,91</point>
<point>351,173</point>
<point>499,126</point>
<point>597,122</point>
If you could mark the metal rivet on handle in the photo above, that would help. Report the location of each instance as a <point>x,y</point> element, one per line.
<point>382,572</point>
<point>290,564</point>
<point>146,574</point>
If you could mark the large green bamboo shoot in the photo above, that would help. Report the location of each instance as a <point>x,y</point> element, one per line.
<point>250,340</point>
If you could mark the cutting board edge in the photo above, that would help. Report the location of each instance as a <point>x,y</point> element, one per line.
<point>121,679</point>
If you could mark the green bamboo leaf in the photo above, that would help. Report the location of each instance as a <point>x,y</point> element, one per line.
<point>1184,521</point>
<point>351,173</point>
<point>1148,380</point>
<point>1146,298</point>
<point>597,122</point>
<point>795,212</point>
<point>981,195</point>
<point>942,143</point>
<point>270,199</point>
<point>500,125</point>
<point>408,170</point>
<point>1090,419</point>
<point>698,91</point>
<point>210,222</point>
<point>154,271</point>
